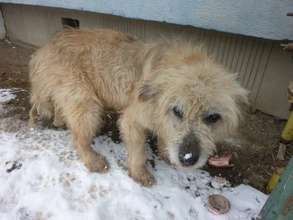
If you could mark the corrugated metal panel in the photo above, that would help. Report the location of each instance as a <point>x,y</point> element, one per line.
<point>246,56</point>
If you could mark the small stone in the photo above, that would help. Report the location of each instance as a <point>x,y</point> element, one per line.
<point>219,182</point>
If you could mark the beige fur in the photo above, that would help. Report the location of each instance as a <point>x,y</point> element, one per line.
<point>80,73</point>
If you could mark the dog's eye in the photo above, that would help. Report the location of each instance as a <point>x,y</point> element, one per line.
<point>212,118</point>
<point>177,112</point>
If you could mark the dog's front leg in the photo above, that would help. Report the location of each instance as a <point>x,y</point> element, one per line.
<point>163,153</point>
<point>134,137</point>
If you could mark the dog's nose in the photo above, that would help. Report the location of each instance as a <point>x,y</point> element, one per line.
<point>188,156</point>
<point>189,150</point>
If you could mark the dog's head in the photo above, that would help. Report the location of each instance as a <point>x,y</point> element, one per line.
<point>194,104</point>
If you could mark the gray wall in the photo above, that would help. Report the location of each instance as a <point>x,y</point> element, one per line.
<point>2,28</point>
<point>263,67</point>
<point>260,18</point>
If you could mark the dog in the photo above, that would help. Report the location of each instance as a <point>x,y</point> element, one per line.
<point>175,90</point>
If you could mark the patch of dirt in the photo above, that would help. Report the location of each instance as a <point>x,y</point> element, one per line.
<point>253,153</point>
<point>14,74</point>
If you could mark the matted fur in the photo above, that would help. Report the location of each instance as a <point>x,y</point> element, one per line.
<point>80,73</point>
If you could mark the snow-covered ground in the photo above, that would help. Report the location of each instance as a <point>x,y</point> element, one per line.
<point>41,178</point>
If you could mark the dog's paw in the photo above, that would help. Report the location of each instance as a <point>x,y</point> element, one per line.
<point>143,176</point>
<point>96,163</point>
<point>59,124</point>
<point>165,157</point>
<point>32,123</point>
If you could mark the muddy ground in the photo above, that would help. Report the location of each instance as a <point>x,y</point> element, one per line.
<point>254,150</point>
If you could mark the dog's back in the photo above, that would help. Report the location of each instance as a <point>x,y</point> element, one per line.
<point>92,59</point>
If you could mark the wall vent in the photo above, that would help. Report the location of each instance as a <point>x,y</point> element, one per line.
<point>69,22</point>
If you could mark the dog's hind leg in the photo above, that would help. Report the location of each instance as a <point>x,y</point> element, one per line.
<point>33,116</point>
<point>41,108</point>
<point>58,121</point>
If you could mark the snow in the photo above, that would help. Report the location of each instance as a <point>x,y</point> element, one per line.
<point>42,178</point>
<point>187,156</point>
<point>6,95</point>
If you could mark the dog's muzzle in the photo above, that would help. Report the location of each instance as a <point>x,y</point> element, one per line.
<point>189,150</point>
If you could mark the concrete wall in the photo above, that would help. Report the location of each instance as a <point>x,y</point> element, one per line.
<point>263,67</point>
<point>2,27</point>
<point>272,96</point>
<point>260,18</point>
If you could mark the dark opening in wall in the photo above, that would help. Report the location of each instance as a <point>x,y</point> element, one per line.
<point>69,22</point>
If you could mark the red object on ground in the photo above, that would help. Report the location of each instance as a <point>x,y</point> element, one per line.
<point>218,204</point>
<point>223,161</point>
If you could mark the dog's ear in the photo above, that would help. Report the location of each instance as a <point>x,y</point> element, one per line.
<point>240,94</point>
<point>147,91</point>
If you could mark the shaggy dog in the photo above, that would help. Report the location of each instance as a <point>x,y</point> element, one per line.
<point>172,89</point>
